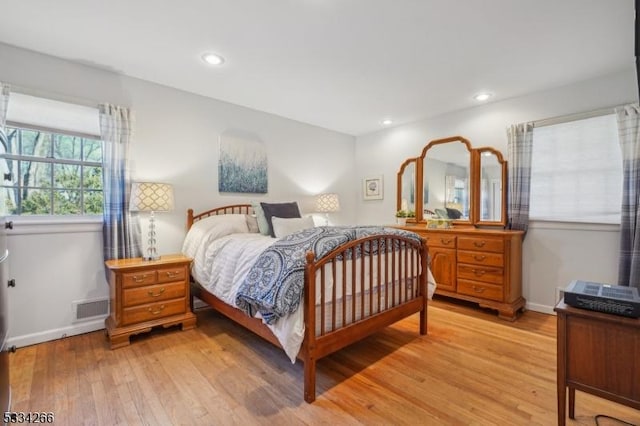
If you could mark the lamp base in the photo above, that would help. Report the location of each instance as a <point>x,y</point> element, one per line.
<point>149,257</point>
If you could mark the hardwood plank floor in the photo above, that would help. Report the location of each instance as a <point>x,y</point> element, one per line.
<point>471,368</point>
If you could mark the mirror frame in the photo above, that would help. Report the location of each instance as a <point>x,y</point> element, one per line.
<point>420,187</point>
<point>404,165</point>
<point>478,180</point>
<point>474,184</point>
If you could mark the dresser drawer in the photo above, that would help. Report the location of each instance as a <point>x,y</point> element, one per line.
<point>153,293</point>
<point>479,289</point>
<point>487,274</point>
<point>136,279</point>
<point>495,245</point>
<point>481,258</point>
<point>441,241</point>
<point>153,311</point>
<point>172,274</point>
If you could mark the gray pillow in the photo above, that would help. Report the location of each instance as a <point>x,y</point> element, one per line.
<point>283,210</point>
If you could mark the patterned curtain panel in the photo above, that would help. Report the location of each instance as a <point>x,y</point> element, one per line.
<point>121,232</point>
<point>520,141</point>
<point>629,136</point>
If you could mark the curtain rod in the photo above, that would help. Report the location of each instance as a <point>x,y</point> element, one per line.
<point>574,117</point>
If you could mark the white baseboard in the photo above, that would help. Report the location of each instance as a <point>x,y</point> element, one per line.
<point>58,333</point>
<point>540,308</point>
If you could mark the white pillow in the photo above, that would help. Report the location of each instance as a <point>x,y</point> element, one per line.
<point>211,228</point>
<point>283,227</point>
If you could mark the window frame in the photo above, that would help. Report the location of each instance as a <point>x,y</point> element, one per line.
<point>54,161</point>
<point>575,221</point>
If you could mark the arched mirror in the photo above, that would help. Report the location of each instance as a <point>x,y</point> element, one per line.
<point>447,191</point>
<point>407,186</point>
<point>491,183</point>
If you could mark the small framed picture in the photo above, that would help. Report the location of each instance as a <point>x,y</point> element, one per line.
<point>372,188</point>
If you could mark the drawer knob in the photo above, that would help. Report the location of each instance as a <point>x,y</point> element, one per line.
<point>480,257</point>
<point>478,289</point>
<point>139,278</point>
<point>156,311</point>
<point>479,272</point>
<point>445,241</point>
<point>152,294</point>
<point>172,274</point>
<point>479,243</point>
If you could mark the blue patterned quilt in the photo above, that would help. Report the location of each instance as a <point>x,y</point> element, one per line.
<point>275,283</point>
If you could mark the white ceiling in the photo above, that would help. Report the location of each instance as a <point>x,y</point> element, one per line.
<point>339,64</point>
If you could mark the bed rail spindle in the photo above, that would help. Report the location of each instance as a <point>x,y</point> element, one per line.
<point>322,299</point>
<point>344,289</point>
<point>333,295</point>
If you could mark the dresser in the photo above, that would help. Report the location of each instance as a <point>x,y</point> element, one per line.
<point>145,294</point>
<point>478,265</point>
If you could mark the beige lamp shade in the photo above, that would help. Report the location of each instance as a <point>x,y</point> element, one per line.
<point>151,197</point>
<point>327,203</point>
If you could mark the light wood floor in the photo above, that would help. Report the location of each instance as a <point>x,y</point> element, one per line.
<point>471,368</point>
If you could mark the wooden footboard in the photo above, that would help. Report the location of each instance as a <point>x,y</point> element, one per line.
<point>346,296</point>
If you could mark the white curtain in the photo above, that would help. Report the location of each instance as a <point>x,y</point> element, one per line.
<point>121,232</point>
<point>629,136</point>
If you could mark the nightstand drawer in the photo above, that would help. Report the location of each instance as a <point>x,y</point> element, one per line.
<point>481,258</point>
<point>136,279</point>
<point>172,274</point>
<point>478,289</point>
<point>153,311</point>
<point>153,293</point>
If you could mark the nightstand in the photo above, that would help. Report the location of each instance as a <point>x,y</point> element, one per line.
<point>144,294</point>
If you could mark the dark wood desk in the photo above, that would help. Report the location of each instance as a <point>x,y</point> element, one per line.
<point>598,354</point>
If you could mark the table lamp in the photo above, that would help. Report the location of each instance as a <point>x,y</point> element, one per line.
<point>151,197</point>
<point>327,203</point>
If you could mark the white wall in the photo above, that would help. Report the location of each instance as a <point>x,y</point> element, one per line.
<point>553,254</point>
<point>175,141</point>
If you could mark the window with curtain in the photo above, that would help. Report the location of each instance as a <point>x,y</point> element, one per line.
<point>576,171</point>
<point>52,162</point>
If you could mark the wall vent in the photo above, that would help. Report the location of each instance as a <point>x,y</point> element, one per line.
<point>85,310</point>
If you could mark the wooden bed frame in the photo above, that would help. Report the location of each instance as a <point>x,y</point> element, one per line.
<point>318,345</point>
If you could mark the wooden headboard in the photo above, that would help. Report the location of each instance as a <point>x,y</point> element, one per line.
<point>233,209</point>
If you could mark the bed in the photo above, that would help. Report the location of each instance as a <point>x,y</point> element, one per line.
<point>372,278</point>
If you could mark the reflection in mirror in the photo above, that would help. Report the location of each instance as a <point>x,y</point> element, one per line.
<point>446,173</point>
<point>490,187</point>
<point>407,186</point>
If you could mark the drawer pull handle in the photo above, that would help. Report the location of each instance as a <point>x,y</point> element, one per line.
<point>152,294</point>
<point>479,272</point>
<point>157,311</point>
<point>172,274</point>
<point>479,243</point>
<point>139,278</point>
<point>445,241</point>
<point>478,289</point>
<point>479,258</point>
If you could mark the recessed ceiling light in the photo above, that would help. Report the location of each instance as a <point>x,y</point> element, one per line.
<point>387,122</point>
<point>480,97</point>
<point>213,59</point>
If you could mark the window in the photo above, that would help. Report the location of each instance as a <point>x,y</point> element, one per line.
<point>47,172</point>
<point>576,171</point>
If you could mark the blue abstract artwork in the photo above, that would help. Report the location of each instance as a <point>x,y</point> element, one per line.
<point>242,165</point>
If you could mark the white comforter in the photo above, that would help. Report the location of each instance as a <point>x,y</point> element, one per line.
<point>223,252</point>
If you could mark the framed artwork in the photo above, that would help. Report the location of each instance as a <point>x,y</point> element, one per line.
<point>242,165</point>
<point>372,188</point>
